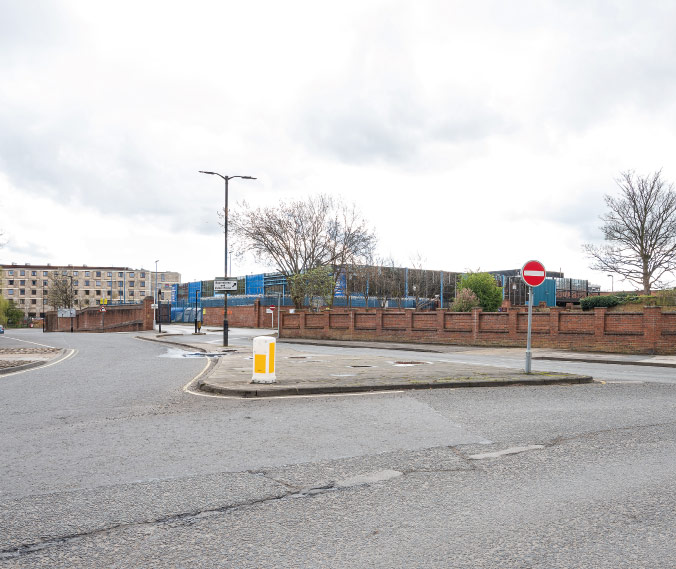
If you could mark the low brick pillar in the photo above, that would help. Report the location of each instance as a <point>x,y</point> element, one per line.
<point>652,325</point>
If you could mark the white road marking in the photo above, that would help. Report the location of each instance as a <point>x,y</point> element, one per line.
<point>29,342</point>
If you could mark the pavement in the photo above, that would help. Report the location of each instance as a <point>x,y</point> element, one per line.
<point>300,371</point>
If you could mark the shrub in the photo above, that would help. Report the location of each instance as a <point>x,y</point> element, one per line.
<point>666,297</point>
<point>486,289</point>
<point>590,302</point>
<point>465,301</point>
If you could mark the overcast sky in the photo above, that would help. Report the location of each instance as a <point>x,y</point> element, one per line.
<point>476,134</point>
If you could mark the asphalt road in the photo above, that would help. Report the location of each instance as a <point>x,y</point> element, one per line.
<point>107,462</point>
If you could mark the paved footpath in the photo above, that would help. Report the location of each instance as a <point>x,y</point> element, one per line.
<point>301,372</point>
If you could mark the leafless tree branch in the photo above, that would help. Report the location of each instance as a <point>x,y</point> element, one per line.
<point>640,228</point>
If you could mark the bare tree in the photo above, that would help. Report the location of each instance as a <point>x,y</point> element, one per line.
<point>60,293</point>
<point>641,230</point>
<point>299,235</point>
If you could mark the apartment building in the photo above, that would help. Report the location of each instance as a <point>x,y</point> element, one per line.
<point>28,285</point>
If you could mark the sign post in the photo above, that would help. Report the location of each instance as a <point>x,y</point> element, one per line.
<point>271,310</point>
<point>533,274</point>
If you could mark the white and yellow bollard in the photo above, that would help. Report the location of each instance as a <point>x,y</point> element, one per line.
<point>264,360</point>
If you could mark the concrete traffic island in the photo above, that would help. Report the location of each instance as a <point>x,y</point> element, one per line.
<point>305,373</point>
<point>14,358</point>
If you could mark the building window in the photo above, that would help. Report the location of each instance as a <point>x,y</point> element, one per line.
<point>98,293</point>
<point>143,275</point>
<point>131,283</point>
<point>74,273</point>
<point>34,301</point>
<point>98,283</point>
<point>22,282</point>
<point>110,274</point>
<point>34,273</point>
<point>11,273</point>
<point>131,293</point>
<point>11,282</point>
<point>120,283</point>
<point>86,282</point>
<point>109,283</point>
<point>98,273</point>
<point>11,291</point>
<point>34,292</point>
<point>44,273</point>
<point>163,277</point>
<point>86,293</point>
<point>143,283</point>
<point>34,283</point>
<point>44,283</point>
<point>131,275</point>
<point>120,293</point>
<point>22,301</point>
<point>22,273</point>
<point>22,291</point>
<point>75,283</point>
<point>120,274</point>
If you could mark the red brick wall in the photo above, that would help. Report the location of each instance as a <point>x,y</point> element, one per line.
<point>239,316</point>
<point>117,318</point>
<point>648,331</point>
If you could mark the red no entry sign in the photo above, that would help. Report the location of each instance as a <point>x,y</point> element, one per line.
<point>533,273</point>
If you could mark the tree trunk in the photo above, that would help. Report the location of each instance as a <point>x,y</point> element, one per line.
<point>646,278</point>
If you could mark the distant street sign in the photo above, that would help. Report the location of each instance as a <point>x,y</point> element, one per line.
<point>66,312</point>
<point>223,285</point>
<point>103,309</point>
<point>272,307</point>
<point>153,306</point>
<point>533,273</point>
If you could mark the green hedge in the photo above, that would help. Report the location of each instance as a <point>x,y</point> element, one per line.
<point>664,298</point>
<point>590,302</point>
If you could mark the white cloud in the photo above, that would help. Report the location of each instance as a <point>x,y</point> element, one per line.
<point>480,134</point>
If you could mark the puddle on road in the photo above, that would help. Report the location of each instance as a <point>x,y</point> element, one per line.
<point>176,353</point>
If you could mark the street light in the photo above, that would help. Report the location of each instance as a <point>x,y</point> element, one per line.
<point>70,301</point>
<point>157,297</point>
<point>612,283</point>
<point>226,179</point>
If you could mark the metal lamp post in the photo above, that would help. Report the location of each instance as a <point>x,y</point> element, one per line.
<point>612,283</point>
<point>226,179</point>
<point>156,296</point>
<point>71,301</point>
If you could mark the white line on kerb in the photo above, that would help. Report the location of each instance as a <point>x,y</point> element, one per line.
<point>69,354</point>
